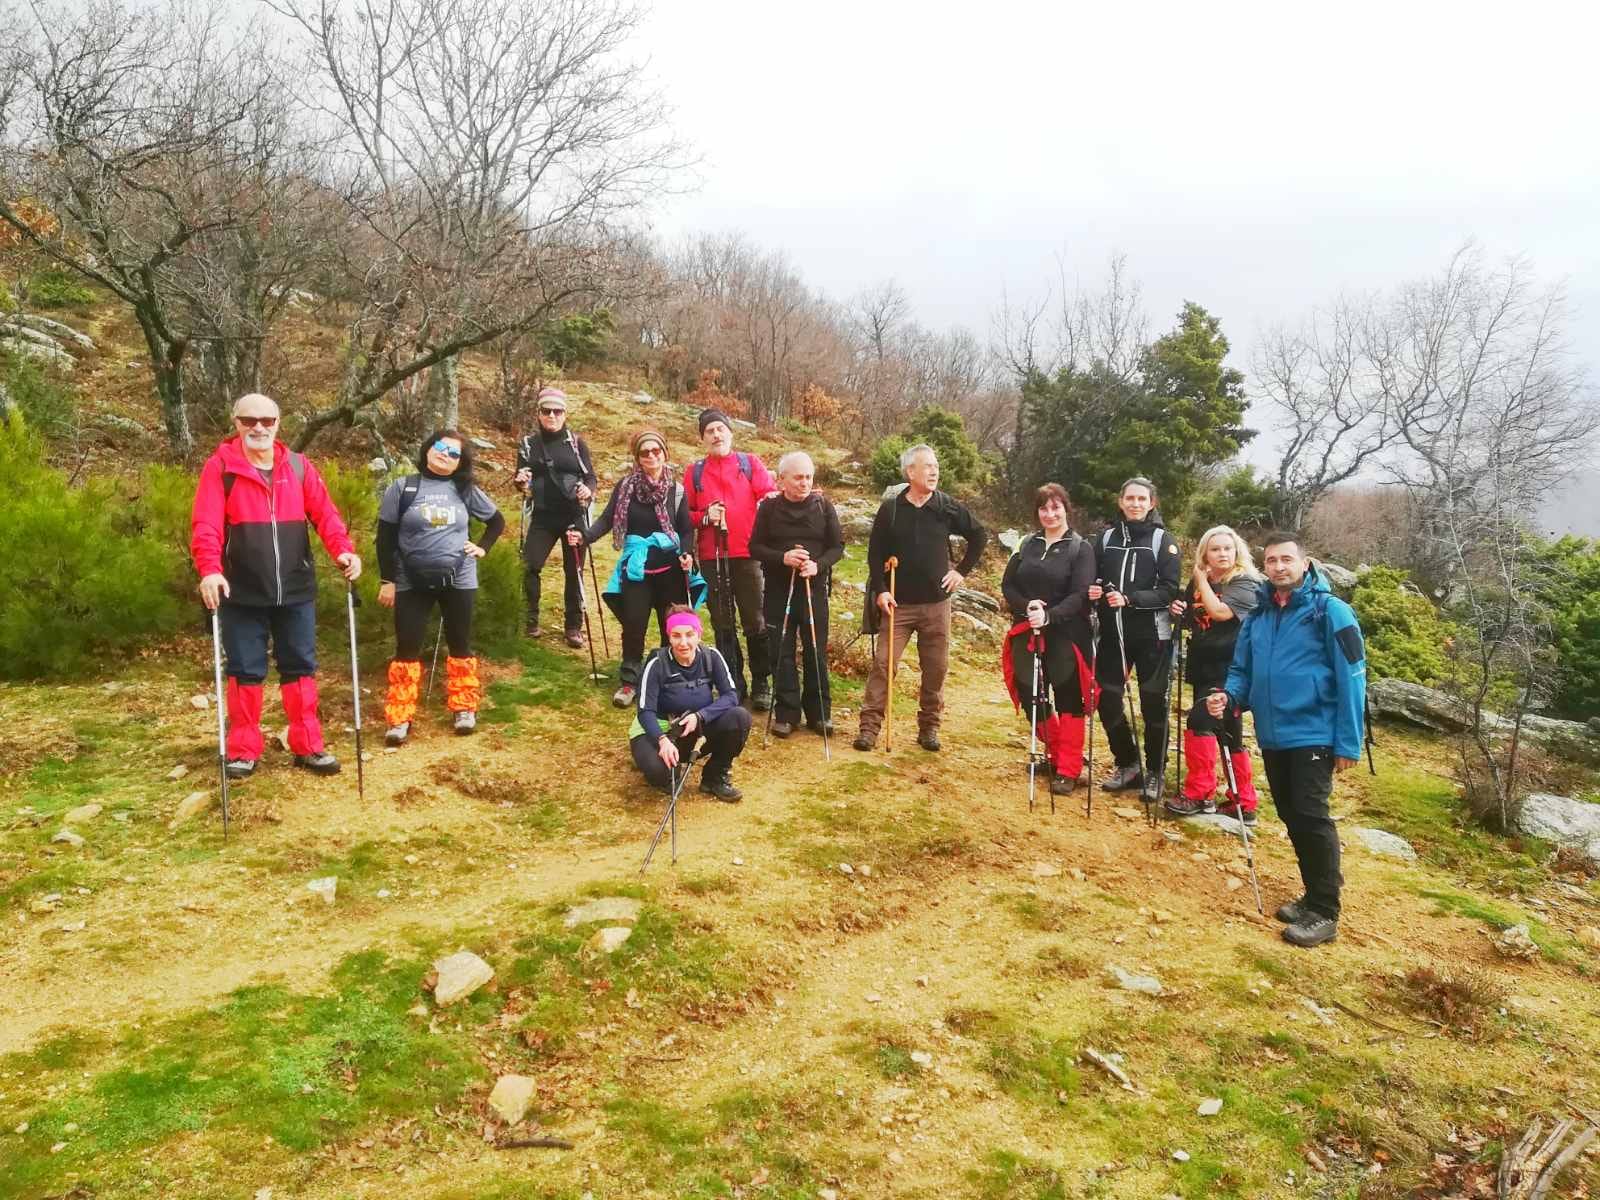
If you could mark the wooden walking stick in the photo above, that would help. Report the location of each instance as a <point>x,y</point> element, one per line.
<point>889,564</point>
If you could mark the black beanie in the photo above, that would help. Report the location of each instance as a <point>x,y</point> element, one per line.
<point>709,415</point>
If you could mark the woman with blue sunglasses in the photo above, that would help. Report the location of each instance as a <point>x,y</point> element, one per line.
<point>425,557</point>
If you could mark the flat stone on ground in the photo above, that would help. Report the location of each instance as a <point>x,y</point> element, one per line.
<point>1386,844</point>
<point>511,1097</point>
<point>613,910</point>
<point>460,974</point>
<point>84,812</point>
<point>609,939</point>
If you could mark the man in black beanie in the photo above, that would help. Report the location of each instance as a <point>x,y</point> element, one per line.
<point>723,490</point>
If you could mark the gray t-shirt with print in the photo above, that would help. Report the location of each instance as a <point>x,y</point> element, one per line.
<point>433,531</point>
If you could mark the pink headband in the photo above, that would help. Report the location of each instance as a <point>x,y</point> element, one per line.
<point>682,620</point>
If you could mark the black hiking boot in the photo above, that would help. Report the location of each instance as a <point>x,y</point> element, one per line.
<point>1123,779</point>
<point>575,638</point>
<point>719,786</point>
<point>466,721</point>
<point>1231,809</point>
<point>1313,930</point>
<point>1183,806</point>
<point>396,735</point>
<point>241,768</point>
<point>820,725</point>
<point>865,741</point>
<point>761,696</point>
<point>531,629</point>
<point>1063,785</point>
<point>928,739</point>
<point>1150,792</point>
<point>782,729</point>
<point>320,763</point>
<point>1294,912</point>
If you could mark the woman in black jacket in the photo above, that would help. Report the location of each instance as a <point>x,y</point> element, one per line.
<point>425,557</point>
<point>1224,590</point>
<point>1139,574</point>
<point>648,519</point>
<point>1046,586</point>
<point>686,695</point>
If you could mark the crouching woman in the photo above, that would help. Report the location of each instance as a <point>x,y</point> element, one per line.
<point>686,697</point>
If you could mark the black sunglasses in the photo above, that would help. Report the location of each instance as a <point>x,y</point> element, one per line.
<point>550,412</point>
<point>447,449</point>
<point>252,422</point>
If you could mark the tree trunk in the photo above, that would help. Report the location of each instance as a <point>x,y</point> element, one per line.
<point>444,392</point>
<point>166,364</point>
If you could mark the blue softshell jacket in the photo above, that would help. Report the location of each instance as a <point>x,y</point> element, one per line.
<point>1302,669</point>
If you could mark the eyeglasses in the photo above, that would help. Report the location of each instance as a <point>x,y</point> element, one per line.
<point>447,449</point>
<point>551,412</point>
<point>650,451</point>
<point>252,422</point>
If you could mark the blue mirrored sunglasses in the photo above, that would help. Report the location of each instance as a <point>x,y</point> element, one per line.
<point>447,449</point>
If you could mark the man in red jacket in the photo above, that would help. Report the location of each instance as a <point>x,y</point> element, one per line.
<point>251,543</point>
<point>723,490</point>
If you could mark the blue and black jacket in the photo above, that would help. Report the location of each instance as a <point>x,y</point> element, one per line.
<point>668,689</point>
<point>1301,667</point>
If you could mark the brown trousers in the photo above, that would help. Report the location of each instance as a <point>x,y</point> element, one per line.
<point>931,624</point>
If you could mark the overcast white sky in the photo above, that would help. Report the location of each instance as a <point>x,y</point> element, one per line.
<point>1257,158</point>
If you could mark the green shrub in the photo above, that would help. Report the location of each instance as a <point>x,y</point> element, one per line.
<point>6,302</point>
<point>54,287</point>
<point>1238,499</point>
<point>962,468</point>
<point>1567,579</point>
<point>1406,638</point>
<point>497,620</point>
<point>48,402</point>
<point>355,493</point>
<point>83,584</point>
<point>577,338</point>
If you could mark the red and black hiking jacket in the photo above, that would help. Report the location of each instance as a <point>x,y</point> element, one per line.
<point>260,539</point>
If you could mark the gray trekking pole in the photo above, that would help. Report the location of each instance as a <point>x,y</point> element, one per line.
<point>1133,713</point>
<point>1177,708</point>
<point>222,718</point>
<point>1225,752</point>
<point>1033,722</point>
<point>594,668</point>
<point>434,666</point>
<point>1167,743</point>
<point>1094,702</point>
<point>816,665</point>
<point>783,637</point>
<point>355,690</point>
<point>669,819</point>
<point>594,577</point>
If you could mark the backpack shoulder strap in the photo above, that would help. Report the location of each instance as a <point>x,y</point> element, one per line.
<point>699,472</point>
<point>408,493</point>
<point>745,468</point>
<point>297,464</point>
<point>1155,542</point>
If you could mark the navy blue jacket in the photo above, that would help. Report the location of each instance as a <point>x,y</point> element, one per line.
<point>667,689</point>
<point>1301,667</point>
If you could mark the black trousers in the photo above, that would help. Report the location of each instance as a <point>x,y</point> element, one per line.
<point>655,593</point>
<point>535,551</point>
<point>1152,660</point>
<point>724,738</point>
<point>414,606</point>
<point>1207,677</point>
<point>1301,782</point>
<point>1058,672</point>
<point>734,604</point>
<point>792,699</point>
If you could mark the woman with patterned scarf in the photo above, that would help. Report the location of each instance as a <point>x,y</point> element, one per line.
<point>648,519</point>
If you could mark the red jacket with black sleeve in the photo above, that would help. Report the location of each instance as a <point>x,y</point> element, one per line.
<point>741,481</point>
<point>258,538</point>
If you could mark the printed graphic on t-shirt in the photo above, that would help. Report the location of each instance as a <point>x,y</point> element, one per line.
<point>438,516</point>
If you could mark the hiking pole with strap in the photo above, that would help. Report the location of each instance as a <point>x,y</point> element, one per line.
<point>783,634</point>
<point>434,665</point>
<point>594,667</point>
<point>351,601</point>
<point>1225,750</point>
<point>1093,701</point>
<point>594,577</point>
<point>889,565</point>
<point>1168,742</point>
<point>1033,722</point>
<point>816,665</point>
<point>222,718</point>
<point>1133,714</point>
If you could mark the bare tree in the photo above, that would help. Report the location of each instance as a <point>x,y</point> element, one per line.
<point>495,152</point>
<point>1330,408</point>
<point>133,128</point>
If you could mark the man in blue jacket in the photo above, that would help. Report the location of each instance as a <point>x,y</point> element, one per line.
<point>1300,665</point>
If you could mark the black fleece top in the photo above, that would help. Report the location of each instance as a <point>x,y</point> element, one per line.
<point>558,462</point>
<point>782,524</point>
<point>920,538</point>
<point>1129,563</point>
<point>1059,574</point>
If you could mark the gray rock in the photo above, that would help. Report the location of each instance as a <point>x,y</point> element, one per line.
<point>45,354</point>
<point>1563,820</point>
<point>974,601</point>
<point>1442,713</point>
<point>1010,539</point>
<point>613,910</point>
<point>1516,942</point>
<point>67,837</point>
<point>1341,579</point>
<point>326,887</point>
<point>482,443</point>
<point>642,397</point>
<point>378,465</point>
<point>1209,1108</point>
<point>1228,825</point>
<point>893,490</point>
<point>177,772</point>
<point>511,1097</point>
<point>200,701</point>
<point>608,939</point>
<point>84,812</point>
<point>31,336</point>
<point>56,329</point>
<point>1146,985</point>
<point>975,625</point>
<point>120,427</point>
<point>191,805</point>
<point>460,974</point>
<point>1384,843</point>
<point>747,426</point>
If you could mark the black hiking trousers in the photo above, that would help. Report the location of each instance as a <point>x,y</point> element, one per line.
<point>724,739</point>
<point>1302,781</point>
<point>1151,658</point>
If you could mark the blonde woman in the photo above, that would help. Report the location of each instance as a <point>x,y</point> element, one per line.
<point>1223,589</point>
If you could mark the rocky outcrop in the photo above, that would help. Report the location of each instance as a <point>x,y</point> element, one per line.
<point>1430,708</point>
<point>1564,821</point>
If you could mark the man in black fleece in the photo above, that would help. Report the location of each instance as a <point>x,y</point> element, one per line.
<point>915,526</point>
<point>1140,573</point>
<point>556,473</point>
<point>797,539</point>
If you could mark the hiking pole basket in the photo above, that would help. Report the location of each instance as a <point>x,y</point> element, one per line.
<point>222,717</point>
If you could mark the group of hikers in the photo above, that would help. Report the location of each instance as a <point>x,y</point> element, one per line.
<point>1091,616</point>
